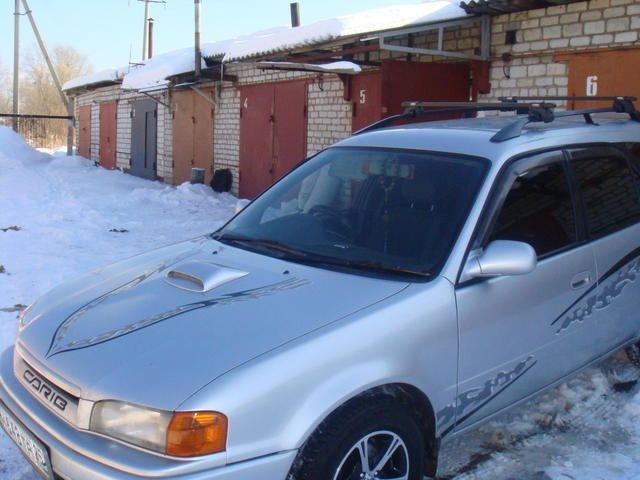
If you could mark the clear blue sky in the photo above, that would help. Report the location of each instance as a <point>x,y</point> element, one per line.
<point>107,30</point>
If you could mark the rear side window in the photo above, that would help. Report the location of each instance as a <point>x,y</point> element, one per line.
<point>538,210</point>
<point>609,190</point>
<point>634,154</point>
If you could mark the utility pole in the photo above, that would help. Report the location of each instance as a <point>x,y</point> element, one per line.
<point>145,35</point>
<point>65,101</point>
<point>198,56</point>
<point>16,65</point>
<point>45,54</point>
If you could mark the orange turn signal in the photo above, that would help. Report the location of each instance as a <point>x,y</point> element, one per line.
<point>191,434</point>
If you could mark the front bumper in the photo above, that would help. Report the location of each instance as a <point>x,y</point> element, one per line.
<point>78,455</point>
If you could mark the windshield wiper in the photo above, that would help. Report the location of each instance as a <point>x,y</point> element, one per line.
<point>364,265</point>
<point>300,256</point>
<point>261,242</point>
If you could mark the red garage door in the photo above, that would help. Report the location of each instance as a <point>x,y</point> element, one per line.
<point>379,94</point>
<point>108,135</point>
<point>273,131</point>
<point>432,82</point>
<point>84,128</point>
<point>366,93</point>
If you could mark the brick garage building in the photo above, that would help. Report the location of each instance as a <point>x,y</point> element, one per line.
<point>105,115</point>
<point>537,47</point>
<point>332,102</point>
<point>578,48</point>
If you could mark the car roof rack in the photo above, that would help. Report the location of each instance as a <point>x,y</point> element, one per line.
<point>536,109</point>
<point>619,105</point>
<point>416,110</point>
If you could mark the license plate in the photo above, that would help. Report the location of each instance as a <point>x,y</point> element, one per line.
<point>31,447</point>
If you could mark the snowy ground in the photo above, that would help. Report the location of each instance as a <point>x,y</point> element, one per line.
<point>64,210</point>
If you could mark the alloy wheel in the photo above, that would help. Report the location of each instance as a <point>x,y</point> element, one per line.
<point>380,455</point>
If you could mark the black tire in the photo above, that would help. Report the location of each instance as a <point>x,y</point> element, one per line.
<point>324,452</point>
<point>633,354</point>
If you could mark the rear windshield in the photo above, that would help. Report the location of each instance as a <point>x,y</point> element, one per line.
<point>364,207</point>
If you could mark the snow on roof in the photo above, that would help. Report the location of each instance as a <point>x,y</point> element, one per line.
<point>155,71</point>
<point>103,76</point>
<point>376,20</point>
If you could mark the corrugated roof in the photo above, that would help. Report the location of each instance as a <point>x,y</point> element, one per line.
<point>155,72</point>
<point>282,39</point>
<point>498,7</point>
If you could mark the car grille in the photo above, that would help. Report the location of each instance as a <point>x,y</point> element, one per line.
<point>50,395</point>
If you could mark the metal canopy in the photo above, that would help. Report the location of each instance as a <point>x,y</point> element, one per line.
<point>485,33</point>
<point>499,7</point>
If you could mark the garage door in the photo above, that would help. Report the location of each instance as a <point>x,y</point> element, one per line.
<point>144,140</point>
<point>273,130</point>
<point>192,135</point>
<point>108,112</point>
<point>84,133</point>
<point>379,94</point>
<point>607,73</point>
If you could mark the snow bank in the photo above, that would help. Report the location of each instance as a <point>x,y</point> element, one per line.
<point>375,20</point>
<point>155,71</point>
<point>14,149</point>
<point>103,76</point>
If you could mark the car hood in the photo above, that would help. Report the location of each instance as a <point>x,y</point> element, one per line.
<point>154,329</point>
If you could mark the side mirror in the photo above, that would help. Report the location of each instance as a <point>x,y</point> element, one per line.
<point>502,257</point>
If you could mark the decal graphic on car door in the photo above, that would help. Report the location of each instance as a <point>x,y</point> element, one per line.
<point>505,322</point>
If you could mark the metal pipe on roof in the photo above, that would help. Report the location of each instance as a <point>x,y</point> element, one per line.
<point>150,38</point>
<point>145,34</point>
<point>198,55</point>
<point>295,14</point>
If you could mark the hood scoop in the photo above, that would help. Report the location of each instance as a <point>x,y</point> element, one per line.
<point>201,277</point>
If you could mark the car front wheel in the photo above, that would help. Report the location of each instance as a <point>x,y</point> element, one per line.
<point>372,439</point>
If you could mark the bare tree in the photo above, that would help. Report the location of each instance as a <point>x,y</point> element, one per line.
<point>5,92</point>
<point>38,93</point>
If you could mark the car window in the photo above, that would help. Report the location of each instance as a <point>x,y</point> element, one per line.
<point>609,190</point>
<point>538,210</point>
<point>634,155</point>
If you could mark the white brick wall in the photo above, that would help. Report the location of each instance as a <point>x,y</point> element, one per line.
<point>329,115</point>
<point>226,134</point>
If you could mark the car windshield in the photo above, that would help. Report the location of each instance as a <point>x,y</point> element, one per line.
<point>363,209</point>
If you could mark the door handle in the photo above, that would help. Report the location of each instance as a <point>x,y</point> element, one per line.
<point>581,280</point>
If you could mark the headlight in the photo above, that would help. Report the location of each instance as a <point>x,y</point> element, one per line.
<point>180,434</point>
<point>22,317</point>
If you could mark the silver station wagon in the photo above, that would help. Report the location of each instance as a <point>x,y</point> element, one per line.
<point>390,293</point>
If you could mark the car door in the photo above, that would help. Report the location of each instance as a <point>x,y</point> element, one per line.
<point>610,193</point>
<point>509,345</point>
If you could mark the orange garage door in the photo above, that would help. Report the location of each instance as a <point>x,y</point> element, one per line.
<point>607,73</point>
